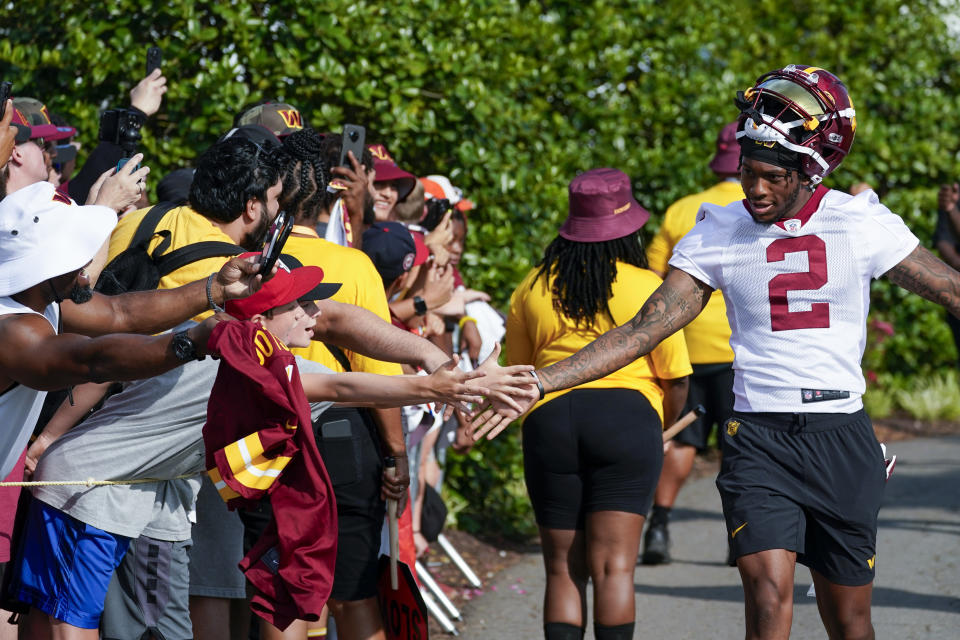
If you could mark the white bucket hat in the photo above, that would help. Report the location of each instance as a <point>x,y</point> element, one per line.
<point>44,234</point>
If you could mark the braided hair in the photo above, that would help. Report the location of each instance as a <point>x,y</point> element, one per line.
<point>305,175</point>
<point>584,273</point>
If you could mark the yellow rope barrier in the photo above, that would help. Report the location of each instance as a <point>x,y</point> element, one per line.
<point>90,482</point>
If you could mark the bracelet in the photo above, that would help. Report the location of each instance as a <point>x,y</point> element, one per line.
<point>539,384</point>
<point>212,305</point>
<point>466,319</point>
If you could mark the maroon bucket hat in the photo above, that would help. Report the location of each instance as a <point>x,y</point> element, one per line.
<point>602,207</point>
<point>727,158</point>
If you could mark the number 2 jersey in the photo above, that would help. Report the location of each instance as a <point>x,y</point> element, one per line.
<point>798,293</point>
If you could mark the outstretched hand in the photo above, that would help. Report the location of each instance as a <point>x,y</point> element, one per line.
<point>456,387</point>
<point>513,392</point>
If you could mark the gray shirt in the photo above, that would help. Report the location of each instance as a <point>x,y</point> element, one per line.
<point>152,429</point>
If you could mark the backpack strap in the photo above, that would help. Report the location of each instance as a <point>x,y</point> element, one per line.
<point>183,256</point>
<point>148,225</point>
<point>339,356</point>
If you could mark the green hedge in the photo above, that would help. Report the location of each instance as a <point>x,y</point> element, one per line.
<point>512,99</point>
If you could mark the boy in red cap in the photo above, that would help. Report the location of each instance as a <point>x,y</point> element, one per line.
<point>256,444</point>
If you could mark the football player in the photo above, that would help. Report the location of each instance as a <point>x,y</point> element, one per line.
<point>802,473</point>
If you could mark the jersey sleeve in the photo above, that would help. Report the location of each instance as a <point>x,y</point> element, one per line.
<point>700,252</point>
<point>887,236</point>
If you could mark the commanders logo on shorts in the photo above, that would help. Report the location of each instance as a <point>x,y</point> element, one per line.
<point>872,561</point>
<point>732,426</point>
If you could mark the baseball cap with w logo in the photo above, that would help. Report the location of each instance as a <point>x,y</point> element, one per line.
<point>279,117</point>
<point>37,116</point>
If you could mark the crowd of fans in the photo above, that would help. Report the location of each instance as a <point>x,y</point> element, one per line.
<point>369,272</point>
<point>171,493</point>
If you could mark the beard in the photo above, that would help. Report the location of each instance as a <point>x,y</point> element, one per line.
<point>253,240</point>
<point>79,295</point>
<point>369,215</point>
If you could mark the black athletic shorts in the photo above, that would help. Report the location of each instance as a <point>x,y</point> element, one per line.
<point>712,386</point>
<point>808,482</point>
<point>353,460</point>
<point>591,450</point>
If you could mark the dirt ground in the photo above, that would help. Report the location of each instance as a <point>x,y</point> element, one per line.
<point>487,557</point>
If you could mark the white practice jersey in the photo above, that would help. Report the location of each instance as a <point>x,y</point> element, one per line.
<point>797,294</point>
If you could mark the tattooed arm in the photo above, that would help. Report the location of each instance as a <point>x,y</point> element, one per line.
<point>678,301</point>
<point>926,275</point>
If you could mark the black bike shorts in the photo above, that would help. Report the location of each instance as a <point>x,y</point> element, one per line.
<point>591,450</point>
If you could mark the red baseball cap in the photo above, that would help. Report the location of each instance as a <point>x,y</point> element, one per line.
<point>388,170</point>
<point>24,131</point>
<point>36,115</point>
<point>291,282</point>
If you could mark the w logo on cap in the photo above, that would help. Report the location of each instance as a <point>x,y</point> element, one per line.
<point>380,152</point>
<point>291,117</point>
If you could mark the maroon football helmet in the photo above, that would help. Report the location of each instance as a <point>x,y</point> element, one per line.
<point>803,109</point>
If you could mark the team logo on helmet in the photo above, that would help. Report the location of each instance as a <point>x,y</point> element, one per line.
<point>804,109</point>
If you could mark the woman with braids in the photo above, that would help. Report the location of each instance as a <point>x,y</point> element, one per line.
<point>592,454</point>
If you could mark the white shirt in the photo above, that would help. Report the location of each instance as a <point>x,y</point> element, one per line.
<point>19,405</point>
<point>798,294</point>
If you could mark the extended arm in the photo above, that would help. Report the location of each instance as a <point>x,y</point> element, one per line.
<point>926,275</point>
<point>37,358</point>
<point>155,311</point>
<point>674,304</point>
<point>357,329</point>
<point>447,384</point>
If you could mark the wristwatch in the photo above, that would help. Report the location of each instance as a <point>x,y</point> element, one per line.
<point>420,305</point>
<point>184,348</point>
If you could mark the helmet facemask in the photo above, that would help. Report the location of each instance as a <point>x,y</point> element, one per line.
<point>787,109</point>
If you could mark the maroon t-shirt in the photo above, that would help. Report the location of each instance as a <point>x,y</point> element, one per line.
<point>259,441</point>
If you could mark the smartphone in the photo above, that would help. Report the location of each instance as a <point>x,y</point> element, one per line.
<point>335,429</point>
<point>276,238</point>
<point>154,59</point>
<point>124,161</point>
<point>5,88</point>
<point>354,137</point>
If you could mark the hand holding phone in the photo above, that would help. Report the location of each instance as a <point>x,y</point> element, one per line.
<point>276,238</point>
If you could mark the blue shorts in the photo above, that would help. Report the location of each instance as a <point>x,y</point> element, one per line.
<point>66,565</point>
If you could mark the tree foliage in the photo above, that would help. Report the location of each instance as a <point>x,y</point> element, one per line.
<point>512,98</point>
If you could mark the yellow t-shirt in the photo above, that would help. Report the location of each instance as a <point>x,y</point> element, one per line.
<point>539,335</point>
<point>186,226</point>
<point>708,336</point>
<point>362,287</point>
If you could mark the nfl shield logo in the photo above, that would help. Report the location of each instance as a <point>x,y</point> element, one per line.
<point>792,225</point>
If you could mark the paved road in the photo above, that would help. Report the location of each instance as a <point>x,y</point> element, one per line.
<point>917,589</point>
